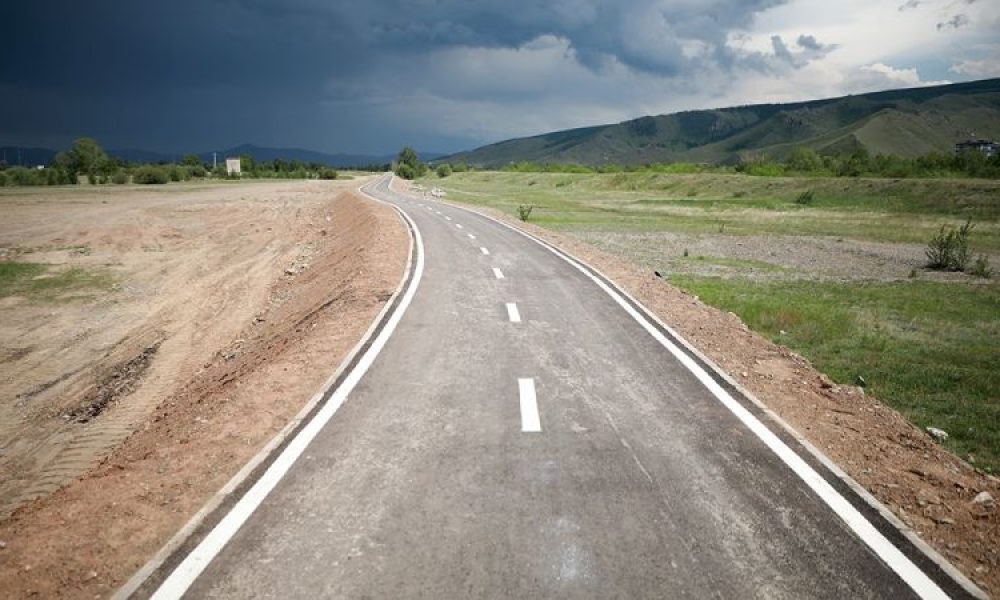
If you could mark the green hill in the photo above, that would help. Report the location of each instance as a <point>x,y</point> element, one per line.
<point>905,122</point>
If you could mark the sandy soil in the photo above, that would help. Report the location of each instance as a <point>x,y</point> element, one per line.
<point>926,486</point>
<point>234,304</point>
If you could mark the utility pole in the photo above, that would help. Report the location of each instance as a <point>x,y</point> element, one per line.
<point>213,160</point>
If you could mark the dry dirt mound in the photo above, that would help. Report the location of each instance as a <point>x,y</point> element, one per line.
<point>89,537</point>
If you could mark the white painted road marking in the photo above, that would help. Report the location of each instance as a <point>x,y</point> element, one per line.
<point>484,251</point>
<point>459,225</point>
<point>512,313</point>
<point>447,218</point>
<point>497,273</point>
<point>194,563</point>
<point>892,556</point>
<point>529,405</point>
<point>471,237</point>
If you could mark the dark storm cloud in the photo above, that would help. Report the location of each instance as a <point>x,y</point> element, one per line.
<point>203,72</point>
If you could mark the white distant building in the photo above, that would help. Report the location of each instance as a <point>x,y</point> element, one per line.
<point>233,166</point>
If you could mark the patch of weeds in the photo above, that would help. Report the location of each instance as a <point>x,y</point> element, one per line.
<point>36,281</point>
<point>948,250</point>
<point>805,198</point>
<point>15,275</point>
<point>981,268</point>
<point>524,211</point>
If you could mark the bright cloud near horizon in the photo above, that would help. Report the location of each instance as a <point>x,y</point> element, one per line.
<point>446,75</point>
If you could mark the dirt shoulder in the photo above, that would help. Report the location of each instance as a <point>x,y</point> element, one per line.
<point>930,489</point>
<point>294,304</point>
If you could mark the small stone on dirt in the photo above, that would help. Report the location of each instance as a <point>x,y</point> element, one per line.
<point>939,435</point>
<point>825,382</point>
<point>985,500</point>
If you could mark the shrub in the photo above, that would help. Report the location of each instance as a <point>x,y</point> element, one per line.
<point>443,170</point>
<point>805,198</point>
<point>524,211</point>
<point>119,178</point>
<point>949,249</point>
<point>406,171</point>
<point>327,174</point>
<point>176,173</point>
<point>148,174</point>
<point>981,268</point>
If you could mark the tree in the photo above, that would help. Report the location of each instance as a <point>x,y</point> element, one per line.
<point>86,156</point>
<point>408,165</point>
<point>192,160</point>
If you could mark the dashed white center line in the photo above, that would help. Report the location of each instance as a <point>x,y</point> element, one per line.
<point>497,273</point>
<point>459,225</point>
<point>512,313</point>
<point>484,251</point>
<point>447,218</point>
<point>471,237</point>
<point>529,405</point>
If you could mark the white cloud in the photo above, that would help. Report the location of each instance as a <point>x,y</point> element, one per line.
<point>878,76</point>
<point>988,66</point>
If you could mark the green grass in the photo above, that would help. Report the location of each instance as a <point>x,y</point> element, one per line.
<point>928,349</point>
<point>39,281</point>
<point>884,210</point>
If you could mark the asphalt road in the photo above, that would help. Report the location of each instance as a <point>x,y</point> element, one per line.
<point>437,479</point>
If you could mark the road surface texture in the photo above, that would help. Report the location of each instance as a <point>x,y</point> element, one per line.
<point>521,435</point>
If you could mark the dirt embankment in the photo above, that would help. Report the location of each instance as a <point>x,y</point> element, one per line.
<point>296,274</point>
<point>930,489</point>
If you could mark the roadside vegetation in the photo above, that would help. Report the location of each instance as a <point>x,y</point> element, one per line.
<point>41,282</point>
<point>882,298</point>
<point>87,162</point>
<point>802,162</point>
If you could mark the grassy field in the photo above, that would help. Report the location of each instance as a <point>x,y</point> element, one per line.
<point>885,210</point>
<point>927,344</point>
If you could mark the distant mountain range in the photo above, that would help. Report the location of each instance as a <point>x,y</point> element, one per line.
<point>44,156</point>
<point>905,122</point>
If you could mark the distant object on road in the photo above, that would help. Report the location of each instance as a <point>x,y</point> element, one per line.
<point>987,147</point>
<point>437,193</point>
<point>232,166</point>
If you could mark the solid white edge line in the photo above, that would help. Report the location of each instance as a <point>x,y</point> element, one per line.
<point>139,578</point>
<point>484,250</point>
<point>512,313</point>
<point>530,421</point>
<point>497,273</point>
<point>194,563</point>
<point>893,557</point>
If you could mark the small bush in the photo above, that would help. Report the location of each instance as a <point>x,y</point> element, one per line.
<point>119,178</point>
<point>805,198</point>
<point>981,268</point>
<point>327,174</point>
<point>92,178</point>
<point>949,249</point>
<point>524,211</point>
<point>149,174</point>
<point>443,170</point>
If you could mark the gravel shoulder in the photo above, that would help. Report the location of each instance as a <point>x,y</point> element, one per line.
<point>250,301</point>
<point>930,489</point>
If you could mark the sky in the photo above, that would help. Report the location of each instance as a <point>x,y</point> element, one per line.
<point>446,75</point>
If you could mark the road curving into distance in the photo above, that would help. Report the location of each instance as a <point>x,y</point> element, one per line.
<point>524,430</point>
